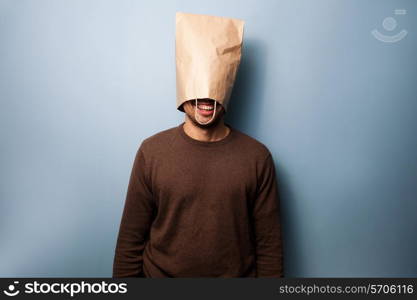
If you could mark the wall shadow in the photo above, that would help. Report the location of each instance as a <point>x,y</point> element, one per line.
<point>247,96</point>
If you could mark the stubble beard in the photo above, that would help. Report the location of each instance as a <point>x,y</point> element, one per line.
<point>212,124</point>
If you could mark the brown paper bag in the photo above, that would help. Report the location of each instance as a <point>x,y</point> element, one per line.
<point>208,53</point>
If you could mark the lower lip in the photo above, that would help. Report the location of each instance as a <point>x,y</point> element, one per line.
<point>205,112</point>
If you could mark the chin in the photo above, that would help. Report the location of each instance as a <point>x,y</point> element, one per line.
<point>211,124</point>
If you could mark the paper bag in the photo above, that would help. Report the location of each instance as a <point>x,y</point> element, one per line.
<point>208,52</point>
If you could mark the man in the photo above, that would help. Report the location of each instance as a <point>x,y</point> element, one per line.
<point>202,199</point>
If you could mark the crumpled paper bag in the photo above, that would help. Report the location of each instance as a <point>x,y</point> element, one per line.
<point>208,53</point>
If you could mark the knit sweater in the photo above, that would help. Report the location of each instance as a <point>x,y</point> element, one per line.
<point>200,209</point>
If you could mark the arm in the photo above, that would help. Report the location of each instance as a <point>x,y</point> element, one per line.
<point>135,224</point>
<point>267,223</point>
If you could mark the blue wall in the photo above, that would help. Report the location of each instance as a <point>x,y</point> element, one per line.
<point>82,83</point>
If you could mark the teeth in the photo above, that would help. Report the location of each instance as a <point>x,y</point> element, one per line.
<point>205,107</point>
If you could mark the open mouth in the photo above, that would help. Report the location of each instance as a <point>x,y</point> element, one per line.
<point>205,107</point>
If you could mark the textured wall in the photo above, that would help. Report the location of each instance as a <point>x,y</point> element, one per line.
<point>83,82</point>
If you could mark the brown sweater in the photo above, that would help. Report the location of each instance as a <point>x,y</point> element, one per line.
<point>200,209</point>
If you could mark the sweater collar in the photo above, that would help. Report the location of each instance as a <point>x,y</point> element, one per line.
<point>190,140</point>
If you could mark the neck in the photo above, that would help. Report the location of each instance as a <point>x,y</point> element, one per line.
<point>209,134</point>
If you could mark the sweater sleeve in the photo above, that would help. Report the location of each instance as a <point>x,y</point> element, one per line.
<point>135,223</point>
<point>267,224</point>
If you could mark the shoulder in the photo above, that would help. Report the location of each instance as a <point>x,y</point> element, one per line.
<point>253,146</point>
<point>158,140</point>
